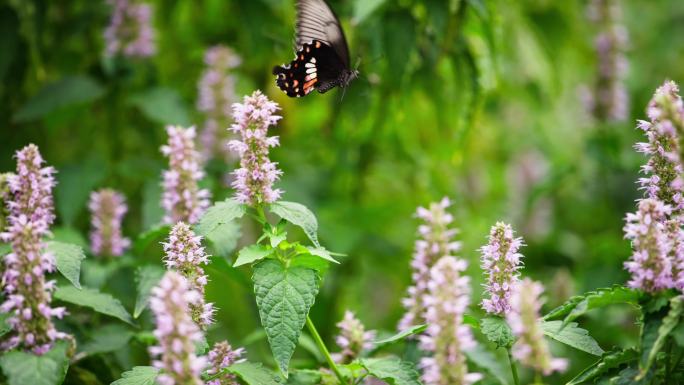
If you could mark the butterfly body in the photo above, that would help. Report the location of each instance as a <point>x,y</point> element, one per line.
<point>322,57</point>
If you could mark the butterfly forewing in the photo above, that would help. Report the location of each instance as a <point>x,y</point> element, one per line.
<point>316,21</point>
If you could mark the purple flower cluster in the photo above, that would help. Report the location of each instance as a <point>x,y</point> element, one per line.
<point>216,96</point>
<point>353,338</point>
<point>185,254</point>
<point>447,337</point>
<point>436,241</point>
<point>255,177</point>
<point>107,209</point>
<point>176,332</point>
<point>530,348</point>
<point>182,199</point>
<point>27,293</point>
<point>650,264</point>
<point>221,356</point>
<point>655,230</point>
<point>130,32</point>
<point>610,101</point>
<point>501,262</point>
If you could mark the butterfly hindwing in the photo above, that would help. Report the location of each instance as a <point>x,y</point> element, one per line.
<point>316,66</point>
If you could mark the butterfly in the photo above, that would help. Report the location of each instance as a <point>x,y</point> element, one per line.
<point>322,55</point>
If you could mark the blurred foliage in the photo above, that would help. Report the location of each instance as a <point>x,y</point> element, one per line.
<point>472,99</point>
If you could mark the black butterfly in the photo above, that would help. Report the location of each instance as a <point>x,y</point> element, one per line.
<point>322,56</point>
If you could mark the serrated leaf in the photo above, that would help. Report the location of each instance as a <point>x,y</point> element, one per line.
<point>146,277</point>
<point>139,375</point>
<point>298,215</point>
<point>218,214</point>
<point>162,105</point>
<point>251,254</point>
<point>64,92</point>
<point>609,360</point>
<point>497,331</point>
<point>68,259</point>
<point>100,302</point>
<point>107,339</point>
<point>23,368</point>
<point>284,296</point>
<point>392,370</point>
<point>224,238</point>
<point>579,305</point>
<point>486,361</point>
<point>400,336</point>
<point>322,253</point>
<point>669,322</point>
<point>311,262</point>
<point>254,374</point>
<point>572,336</point>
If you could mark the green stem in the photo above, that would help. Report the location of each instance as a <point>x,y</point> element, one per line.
<point>324,350</point>
<point>514,370</point>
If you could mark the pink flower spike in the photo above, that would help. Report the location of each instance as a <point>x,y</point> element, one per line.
<point>530,348</point>
<point>176,333</point>
<point>500,262</point>
<point>28,294</point>
<point>435,241</point>
<point>107,209</point>
<point>182,198</point>
<point>447,338</point>
<point>253,181</point>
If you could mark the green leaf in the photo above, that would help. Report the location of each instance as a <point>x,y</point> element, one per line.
<point>152,236</point>
<point>22,368</point>
<point>364,8</point>
<point>220,213</point>
<point>307,343</point>
<point>64,92</point>
<point>572,336</point>
<point>609,360</point>
<point>472,321</point>
<point>400,336</point>
<point>305,377</point>
<point>254,374</point>
<point>108,338</point>
<point>4,326</point>
<point>252,254</point>
<point>5,249</point>
<point>284,296</point>
<point>669,322</point>
<point>486,361</point>
<point>497,331</point>
<point>139,375</point>
<point>162,105</point>
<point>579,305</point>
<point>75,182</point>
<point>146,277</point>
<point>152,212</point>
<point>312,262</point>
<point>100,302</point>
<point>69,235</point>
<point>298,215</point>
<point>392,370</point>
<point>224,238</point>
<point>321,252</point>
<point>68,259</point>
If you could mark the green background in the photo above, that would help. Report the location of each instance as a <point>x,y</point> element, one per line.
<point>480,104</point>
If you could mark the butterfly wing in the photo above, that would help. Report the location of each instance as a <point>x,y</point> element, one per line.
<point>316,21</point>
<point>316,66</point>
